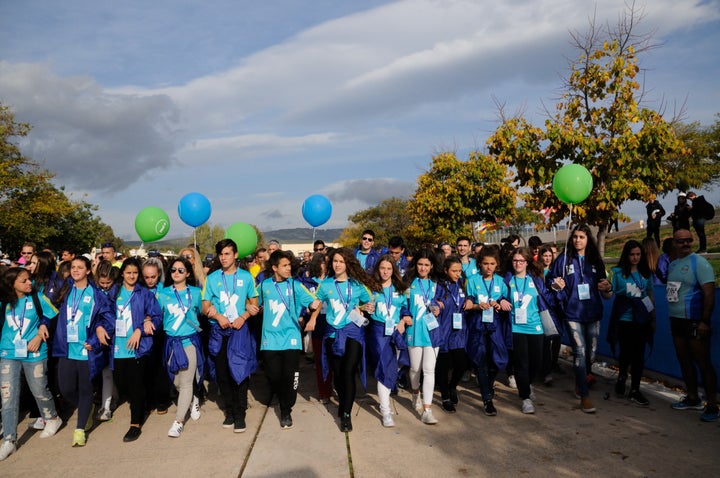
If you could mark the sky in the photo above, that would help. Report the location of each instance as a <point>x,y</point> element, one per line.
<point>258,105</point>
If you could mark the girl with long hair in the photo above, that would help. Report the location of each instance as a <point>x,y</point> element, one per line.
<point>346,291</point>
<point>23,332</point>
<point>578,278</point>
<point>385,342</point>
<point>632,317</point>
<point>82,341</point>
<point>423,336</point>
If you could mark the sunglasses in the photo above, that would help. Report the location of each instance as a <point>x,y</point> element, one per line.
<point>177,269</point>
<point>188,256</point>
<point>319,249</point>
<point>687,240</point>
<point>108,244</point>
<point>369,239</point>
<point>26,253</point>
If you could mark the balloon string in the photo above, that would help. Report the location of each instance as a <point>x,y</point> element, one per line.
<point>567,239</point>
<point>195,237</point>
<point>313,234</point>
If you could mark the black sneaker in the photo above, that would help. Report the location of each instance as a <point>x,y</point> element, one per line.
<point>239,425</point>
<point>489,408</point>
<point>345,423</point>
<point>286,422</point>
<point>132,434</point>
<point>229,421</point>
<point>620,386</point>
<point>448,406</point>
<point>637,397</point>
<point>454,397</point>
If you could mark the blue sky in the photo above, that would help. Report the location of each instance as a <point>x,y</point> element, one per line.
<point>258,105</point>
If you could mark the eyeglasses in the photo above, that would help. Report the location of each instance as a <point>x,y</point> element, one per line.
<point>684,240</point>
<point>518,261</point>
<point>177,269</point>
<point>369,239</point>
<point>319,249</point>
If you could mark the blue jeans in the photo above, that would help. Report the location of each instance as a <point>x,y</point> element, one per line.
<point>36,376</point>
<point>583,338</point>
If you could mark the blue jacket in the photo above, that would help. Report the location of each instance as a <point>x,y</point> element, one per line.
<point>241,347</point>
<point>350,331</point>
<point>576,310</point>
<point>143,304</point>
<point>372,258</point>
<point>176,359</point>
<point>451,338</point>
<point>103,315</point>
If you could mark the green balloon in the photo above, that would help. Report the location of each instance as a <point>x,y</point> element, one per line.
<point>572,183</point>
<point>152,224</point>
<point>244,236</point>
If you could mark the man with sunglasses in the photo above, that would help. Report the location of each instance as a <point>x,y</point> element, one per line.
<point>26,253</point>
<point>691,298</point>
<point>365,253</point>
<point>319,246</point>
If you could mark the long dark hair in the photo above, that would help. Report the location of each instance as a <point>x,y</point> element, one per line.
<point>353,267</point>
<point>425,253</point>
<point>44,269</point>
<point>188,267</point>
<point>592,253</point>
<point>68,284</point>
<point>396,279</point>
<point>7,286</point>
<point>624,262</point>
<point>447,262</point>
<point>532,267</point>
<point>130,261</point>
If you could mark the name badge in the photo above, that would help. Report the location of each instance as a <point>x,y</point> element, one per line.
<point>521,316</point>
<point>357,318</point>
<point>672,291</point>
<point>488,315</point>
<point>72,334</point>
<point>121,328</point>
<point>648,303</point>
<point>457,321</point>
<point>231,313</point>
<point>389,326</point>
<point>583,291</point>
<point>21,348</point>
<point>430,321</point>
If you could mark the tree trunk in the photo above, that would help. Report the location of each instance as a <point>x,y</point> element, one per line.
<point>601,235</point>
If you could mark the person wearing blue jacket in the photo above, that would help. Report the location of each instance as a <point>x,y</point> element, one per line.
<point>450,296</point>
<point>386,347</point>
<point>137,315</point>
<point>578,278</point>
<point>365,252</point>
<point>83,338</point>
<point>229,301</point>
<point>282,299</point>
<point>181,303</point>
<point>346,291</point>
<point>487,343</point>
<point>24,323</point>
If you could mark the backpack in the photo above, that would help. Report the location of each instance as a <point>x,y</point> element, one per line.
<point>709,212</point>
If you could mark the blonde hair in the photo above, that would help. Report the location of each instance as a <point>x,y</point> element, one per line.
<point>197,265</point>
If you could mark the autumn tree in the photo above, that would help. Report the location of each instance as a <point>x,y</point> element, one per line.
<point>387,219</point>
<point>32,208</point>
<point>453,194</point>
<point>207,236</point>
<point>701,164</point>
<point>599,123</point>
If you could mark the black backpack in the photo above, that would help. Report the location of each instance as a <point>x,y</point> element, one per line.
<point>709,212</point>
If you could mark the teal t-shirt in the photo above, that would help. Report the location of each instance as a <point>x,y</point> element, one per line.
<point>123,313</point>
<point>420,295</point>
<point>229,292</point>
<point>21,323</point>
<point>180,311</point>
<point>341,298</point>
<point>683,290</point>
<point>80,304</point>
<point>388,305</point>
<point>282,303</point>
<point>470,269</point>
<point>634,286</point>
<point>525,313</point>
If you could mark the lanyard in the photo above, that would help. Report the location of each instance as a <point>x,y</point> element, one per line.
<point>227,291</point>
<point>581,261</point>
<point>75,302</point>
<point>282,298</point>
<point>521,292</point>
<point>126,305</point>
<point>426,297</point>
<point>345,303</point>
<point>388,293</point>
<point>19,324</point>
<point>491,288</point>
<point>180,302</point>
<point>638,283</point>
<point>456,299</point>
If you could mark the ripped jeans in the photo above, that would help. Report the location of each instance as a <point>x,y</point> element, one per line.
<point>583,338</point>
<point>36,376</point>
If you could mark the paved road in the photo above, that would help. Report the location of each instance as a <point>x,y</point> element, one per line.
<point>620,440</point>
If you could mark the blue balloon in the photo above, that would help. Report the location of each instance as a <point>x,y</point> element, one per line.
<point>194,209</point>
<point>316,210</point>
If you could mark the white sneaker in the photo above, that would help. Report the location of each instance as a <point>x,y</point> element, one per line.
<point>51,427</point>
<point>38,424</point>
<point>388,421</point>
<point>417,402</point>
<point>6,449</point>
<point>428,418</point>
<point>527,406</point>
<point>175,430</point>
<point>105,415</point>
<point>511,382</point>
<point>195,408</point>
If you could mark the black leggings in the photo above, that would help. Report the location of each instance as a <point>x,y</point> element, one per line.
<point>282,369</point>
<point>234,395</point>
<point>76,387</point>
<point>631,337</point>
<point>344,369</point>
<point>129,376</point>
<point>455,359</point>
<point>527,355</point>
